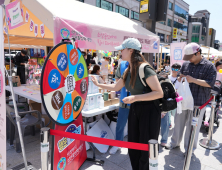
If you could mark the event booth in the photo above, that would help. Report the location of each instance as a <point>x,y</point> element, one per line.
<point>92,28</point>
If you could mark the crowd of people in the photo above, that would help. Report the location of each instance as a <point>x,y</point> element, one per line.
<point>145,119</point>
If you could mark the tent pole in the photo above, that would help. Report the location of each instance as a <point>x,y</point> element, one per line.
<point>208,53</point>
<point>161,57</point>
<point>8,41</point>
<point>158,66</point>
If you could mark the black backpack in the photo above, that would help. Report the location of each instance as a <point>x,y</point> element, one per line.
<point>168,89</point>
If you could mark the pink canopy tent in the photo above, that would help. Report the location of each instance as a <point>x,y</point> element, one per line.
<point>93,27</point>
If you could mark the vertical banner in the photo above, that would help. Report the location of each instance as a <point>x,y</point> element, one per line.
<point>42,30</point>
<point>3,165</point>
<point>144,6</point>
<point>175,33</point>
<point>36,30</point>
<point>14,13</point>
<point>69,153</point>
<point>177,53</point>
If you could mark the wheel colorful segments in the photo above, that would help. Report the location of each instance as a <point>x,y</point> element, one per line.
<point>64,83</point>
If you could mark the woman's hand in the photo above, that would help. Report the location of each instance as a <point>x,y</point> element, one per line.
<point>129,99</point>
<point>95,81</point>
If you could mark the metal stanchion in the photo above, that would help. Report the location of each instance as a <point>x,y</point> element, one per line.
<point>153,154</point>
<point>196,114</point>
<point>208,142</point>
<point>44,148</point>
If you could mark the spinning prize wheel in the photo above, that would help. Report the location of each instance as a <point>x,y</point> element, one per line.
<point>64,83</point>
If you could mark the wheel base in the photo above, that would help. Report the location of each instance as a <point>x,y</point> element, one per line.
<point>213,145</point>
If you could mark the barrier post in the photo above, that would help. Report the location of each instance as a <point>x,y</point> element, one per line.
<point>208,142</point>
<point>194,123</point>
<point>153,154</point>
<point>44,148</point>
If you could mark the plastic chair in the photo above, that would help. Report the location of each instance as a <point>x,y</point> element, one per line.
<point>27,120</point>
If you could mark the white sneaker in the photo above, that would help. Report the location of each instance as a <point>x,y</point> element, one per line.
<point>113,150</point>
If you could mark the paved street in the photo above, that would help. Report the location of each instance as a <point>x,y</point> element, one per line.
<point>168,160</point>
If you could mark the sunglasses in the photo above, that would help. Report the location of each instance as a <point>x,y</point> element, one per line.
<point>175,69</point>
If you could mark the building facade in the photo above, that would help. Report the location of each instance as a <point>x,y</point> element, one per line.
<point>177,17</point>
<point>128,8</point>
<point>198,30</point>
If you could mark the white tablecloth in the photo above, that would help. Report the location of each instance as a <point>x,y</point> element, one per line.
<point>96,112</point>
<point>35,96</point>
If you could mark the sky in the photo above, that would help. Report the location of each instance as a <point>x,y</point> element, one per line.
<point>215,9</point>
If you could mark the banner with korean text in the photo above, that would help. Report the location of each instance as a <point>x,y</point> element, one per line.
<point>3,165</point>
<point>100,38</point>
<point>15,14</point>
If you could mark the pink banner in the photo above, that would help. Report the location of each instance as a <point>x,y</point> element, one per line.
<point>3,165</point>
<point>177,53</point>
<point>15,14</point>
<point>100,38</point>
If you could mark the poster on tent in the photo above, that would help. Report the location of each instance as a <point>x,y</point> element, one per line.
<point>94,37</point>
<point>3,165</point>
<point>15,14</point>
<point>177,53</point>
<point>67,153</point>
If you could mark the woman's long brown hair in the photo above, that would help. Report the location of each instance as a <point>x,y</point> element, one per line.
<point>136,60</point>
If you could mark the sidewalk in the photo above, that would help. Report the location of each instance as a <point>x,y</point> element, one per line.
<point>168,159</point>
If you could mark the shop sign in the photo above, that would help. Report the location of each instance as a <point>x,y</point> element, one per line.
<point>181,21</point>
<point>14,14</point>
<point>144,4</point>
<point>175,30</point>
<point>210,31</point>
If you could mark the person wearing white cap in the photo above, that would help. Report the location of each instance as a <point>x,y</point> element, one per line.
<point>144,117</point>
<point>201,75</point>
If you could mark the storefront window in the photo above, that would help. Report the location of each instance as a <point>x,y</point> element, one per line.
<point>104,4</point>
<point>195,38</point>
<point>196,29</point>
<point>181,12</point>
<point>169,22</point>
<point>171,6</point>
<point>162,37</point>
<point>180,26</point>
<point>162,22</point>
<point>122,10</point>
<point>134,15</point>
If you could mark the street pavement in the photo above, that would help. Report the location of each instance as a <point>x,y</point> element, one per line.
<point>203,159</point>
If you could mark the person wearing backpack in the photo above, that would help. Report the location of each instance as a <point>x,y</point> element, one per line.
<point>123,108</point>
<point>144,116</point>
<point>166,116</point>
<point>201,75</point>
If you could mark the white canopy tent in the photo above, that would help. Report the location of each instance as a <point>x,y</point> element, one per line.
<point>83,13</point>
<point>210,50</point>
<point>164,50</point>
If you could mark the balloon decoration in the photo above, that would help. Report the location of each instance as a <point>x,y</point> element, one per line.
<point>105,53</point>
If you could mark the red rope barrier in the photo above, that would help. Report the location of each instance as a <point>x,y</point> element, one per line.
<point>110,142</point>
<point>201,107</point>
